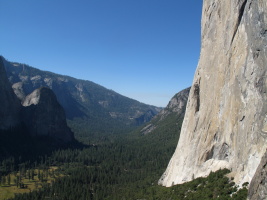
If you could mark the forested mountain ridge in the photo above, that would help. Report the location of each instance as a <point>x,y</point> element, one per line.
<point>169,117</point>
<point>89,107</point>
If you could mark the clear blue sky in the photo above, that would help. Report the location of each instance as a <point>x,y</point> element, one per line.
<point>147,50</point>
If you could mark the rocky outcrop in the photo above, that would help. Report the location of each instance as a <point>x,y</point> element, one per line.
<point>225,124</point>
<point>10,105</point>
<point>41,112</point>
<point>258,185</point>
<point>176,106</point>
<point>44,116</point>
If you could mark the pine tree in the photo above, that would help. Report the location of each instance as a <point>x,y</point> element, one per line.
<point>28,174</point>
<point>8,179</point>
<point>17,181</point>
<point>39,174</point>
<point>42,177</point>
<point>3,180</point>
<point>32,174</point>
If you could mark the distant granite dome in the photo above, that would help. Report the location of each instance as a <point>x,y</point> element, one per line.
<point>225,124</point>
<point>44,116</point>
<point>9,103</point>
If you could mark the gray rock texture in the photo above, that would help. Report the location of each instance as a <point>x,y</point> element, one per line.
<point>44,116</point>
<point>258,185</point>
<point>176,106</point>
<point>41,112</point>
<point>10,105</point>
<point>225,124</point>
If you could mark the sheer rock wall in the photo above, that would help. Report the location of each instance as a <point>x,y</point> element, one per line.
<point>225,124</point>
<point>10,105</point>
<point>41,112</point>
<point>44,116</point>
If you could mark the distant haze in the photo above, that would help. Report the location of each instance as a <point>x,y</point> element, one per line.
<point>144,49</point>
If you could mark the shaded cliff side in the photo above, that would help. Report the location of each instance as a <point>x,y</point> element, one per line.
<point>225,124</point>
<point>44,116</point>
<point>10,105</point>
<point>41,112</point>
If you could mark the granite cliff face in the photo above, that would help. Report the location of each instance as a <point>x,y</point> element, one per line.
<point>44,116</point>
<point>176,107</point>
<point>41,112</point>
<point>258,185</point>
<point>10,105</point>
<point>225,124</point>
<point>177,104</point>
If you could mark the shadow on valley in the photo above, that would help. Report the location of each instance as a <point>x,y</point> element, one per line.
<point>18,146</point>
<point>124,166</point>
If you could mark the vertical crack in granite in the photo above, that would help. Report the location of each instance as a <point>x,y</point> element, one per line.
<point>196,96</point>
<point>240,16</point>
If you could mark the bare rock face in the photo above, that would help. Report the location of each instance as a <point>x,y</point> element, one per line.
<point>258,185</point>
<point>10,105</point>
<point>175,106</point>
<point>44,116</point>
<point>225,124</point>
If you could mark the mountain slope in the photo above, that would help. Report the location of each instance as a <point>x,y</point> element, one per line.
<point>225,123</point>
<point>90,108</point>
<point>167,119</point>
